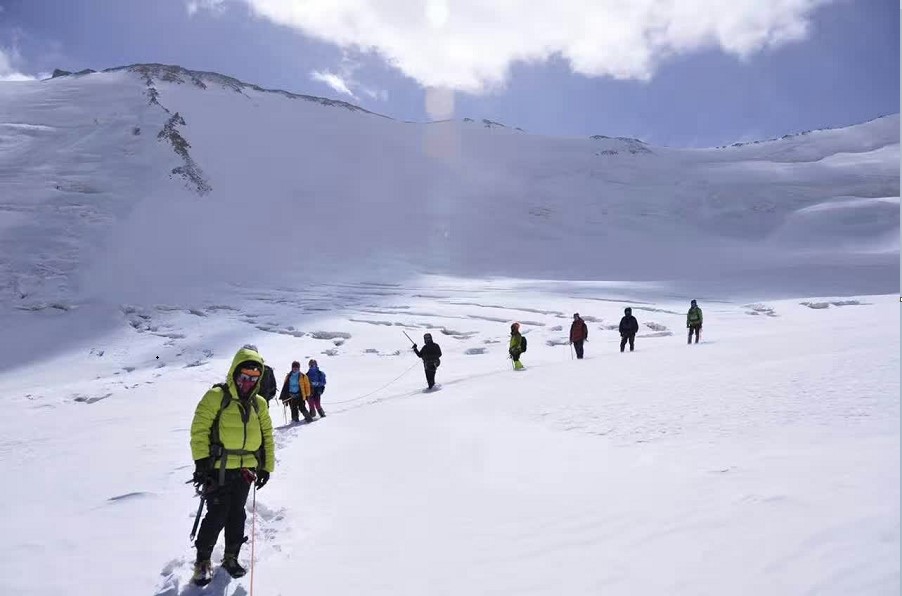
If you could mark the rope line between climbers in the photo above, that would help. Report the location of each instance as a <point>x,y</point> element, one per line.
<point>366,395</point>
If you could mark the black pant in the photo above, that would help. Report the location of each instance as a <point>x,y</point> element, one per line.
<point>430,367</point>
<point>578,346</point>
<point>296,403</point>
<point>697,329</point>
<point>225,509</point>
<point>631,338</point>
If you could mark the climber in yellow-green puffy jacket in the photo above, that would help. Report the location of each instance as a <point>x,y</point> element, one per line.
<point>517,346</point>
<point>232,447</point>
<point>235,433</point>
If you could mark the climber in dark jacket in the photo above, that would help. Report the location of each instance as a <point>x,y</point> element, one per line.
<point>579,332</point>
<point>431,355</point>
<point>629,327</point>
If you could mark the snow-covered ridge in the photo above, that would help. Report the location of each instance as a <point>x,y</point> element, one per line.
<point>153,72</point>
<point>808,132</point>
<point>167,73</point>
<point>616,145</point>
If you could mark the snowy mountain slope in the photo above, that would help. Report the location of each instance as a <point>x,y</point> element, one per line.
<point>453,197</point>
<point>133,264</point>
<point>764,460</point>
<point>73,162</point>
<point>817,144</point>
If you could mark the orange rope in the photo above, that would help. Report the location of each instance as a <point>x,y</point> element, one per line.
<point>253,535</point>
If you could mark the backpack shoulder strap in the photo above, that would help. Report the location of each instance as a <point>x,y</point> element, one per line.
<point>226,398</point>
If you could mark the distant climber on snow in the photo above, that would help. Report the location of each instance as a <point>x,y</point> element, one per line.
<point>295,391</point>
<point>317,387</point>
<point>694,321</point>
<point>579,332</point>
<point>629,327</point>
<point>517,346</point>
<point>431,355</point>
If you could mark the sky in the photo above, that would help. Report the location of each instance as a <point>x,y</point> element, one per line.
<point>683,73</point>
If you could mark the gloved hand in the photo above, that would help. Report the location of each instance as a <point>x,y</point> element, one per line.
<point>262,478</point>
<point>203,470</point>
<point>414,347</point>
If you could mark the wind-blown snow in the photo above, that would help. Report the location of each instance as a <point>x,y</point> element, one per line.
<point>765,460</point>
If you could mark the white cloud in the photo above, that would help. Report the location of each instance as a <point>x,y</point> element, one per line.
<point>380,94</point>
<point>332,80</point>
<point>469,45</point>
<point>194,6</point>
<point>7,72</point>
<point>345,82</point>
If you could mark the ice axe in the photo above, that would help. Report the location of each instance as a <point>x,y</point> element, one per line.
<point>200,508</point>
<point>413,343</point>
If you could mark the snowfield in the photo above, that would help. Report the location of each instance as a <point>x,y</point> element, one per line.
<point>139,250</point>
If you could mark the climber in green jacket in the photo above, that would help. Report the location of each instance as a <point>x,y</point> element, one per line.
<point>694,321</point>
<point>232,447</point>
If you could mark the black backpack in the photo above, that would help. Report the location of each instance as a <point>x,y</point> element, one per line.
<point>268,387</point>
<point>523,343</point>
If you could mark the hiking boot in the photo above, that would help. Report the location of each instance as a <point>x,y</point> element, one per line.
<point>203,573</point>
<point>322,414</point>
<point>232,566</point>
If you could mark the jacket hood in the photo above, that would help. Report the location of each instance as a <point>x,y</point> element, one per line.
<point>241,356</point>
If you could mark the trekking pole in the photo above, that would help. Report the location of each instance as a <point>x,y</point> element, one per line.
<point>285,412</point>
